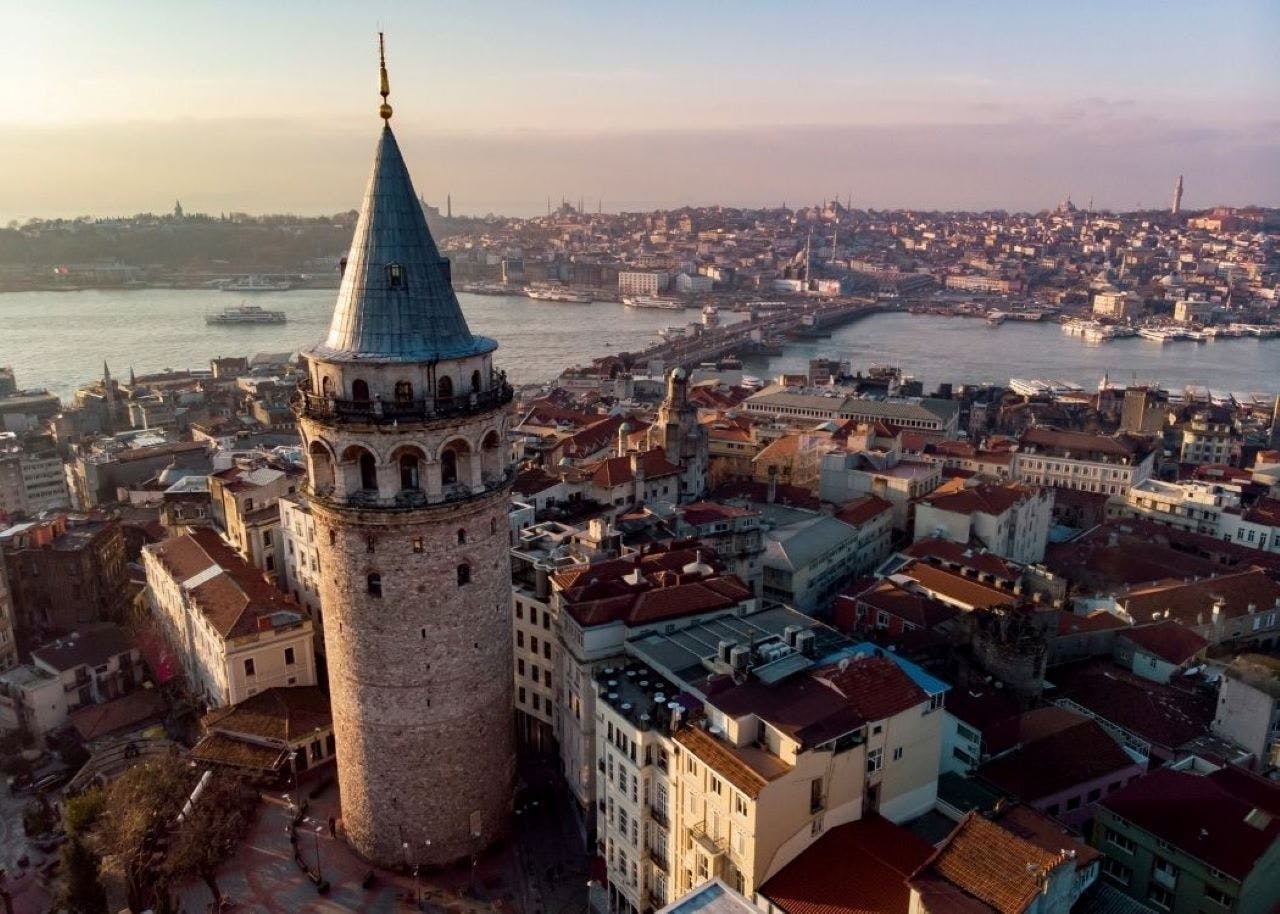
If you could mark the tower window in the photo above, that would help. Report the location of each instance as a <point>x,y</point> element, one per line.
<point>475,381</point>
<point>462,536</point>
<point>395,277</point>
<point>368,471</point>
<point>444,388</point>
<point>359,389</point>
<point>464,574</point>
<point>370,544</point>
<point>374,582</point>
<point>448,467</point>
<point>404,392</point>
<point>408,472</point>
<point>333,537</point>
<point>417,545</point>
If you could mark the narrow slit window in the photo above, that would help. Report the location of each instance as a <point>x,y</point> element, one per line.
<point>395,277</point>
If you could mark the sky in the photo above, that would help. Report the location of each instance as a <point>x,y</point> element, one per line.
<point>270,105</point>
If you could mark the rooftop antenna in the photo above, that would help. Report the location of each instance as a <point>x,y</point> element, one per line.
<point>384,85</point>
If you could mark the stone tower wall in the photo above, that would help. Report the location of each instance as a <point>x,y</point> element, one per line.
<point>420,678</point>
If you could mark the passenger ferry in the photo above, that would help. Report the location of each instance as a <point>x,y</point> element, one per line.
<point>246,314</point>
<point>710,316</point>
<point>560,295</point>
<point>996,318</point>
<point>648,301</point>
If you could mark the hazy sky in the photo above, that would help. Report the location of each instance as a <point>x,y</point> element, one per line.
<point>269,106</point>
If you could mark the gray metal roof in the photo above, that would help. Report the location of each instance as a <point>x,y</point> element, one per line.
<point>418,322</point>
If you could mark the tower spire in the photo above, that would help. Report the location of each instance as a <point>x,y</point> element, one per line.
<point>384,85</point>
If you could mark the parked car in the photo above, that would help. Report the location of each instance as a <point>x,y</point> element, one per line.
<point>53,781</point>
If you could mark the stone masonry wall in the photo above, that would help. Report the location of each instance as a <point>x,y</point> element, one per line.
<point>420,678</point>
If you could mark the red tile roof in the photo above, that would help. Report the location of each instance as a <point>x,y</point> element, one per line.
<point>1169,640</point>
<point>857,868</point>
<point>1058,750</point>
<point>986,498</point>
<point>1191,603</point>
<point>616,471</point>
<point>746,768</point>
<point>918,609</point>
<point>234,599</point>
<point>983,867</point>
<point>860,510</point>
<point>963,591</point>
<point>875,687</point>
<point>1204,816</point>
<point>963,556</point>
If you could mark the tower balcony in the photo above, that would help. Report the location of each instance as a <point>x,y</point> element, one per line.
<point>377,411</point>
<point>410,499</point>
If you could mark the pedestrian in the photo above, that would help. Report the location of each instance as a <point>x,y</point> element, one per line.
<point>333,827</point>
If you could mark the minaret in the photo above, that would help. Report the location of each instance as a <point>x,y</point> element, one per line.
<point>404,420</point>
<point>448,203</point>
<point>1177,197</point>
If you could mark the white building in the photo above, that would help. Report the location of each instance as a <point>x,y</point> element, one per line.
<point>810,555</point>
<point>31,699</point>
<point>301,558</point>
<point>1008,519</point>
<point>1195,506</point>
<point>1087,463</point>
<point>1257,527</point>
<point>93,664</point>
<point>30,481</point>
<point>234,634</point>
<point>637,282</point>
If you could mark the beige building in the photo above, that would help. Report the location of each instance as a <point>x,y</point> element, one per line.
<point>233,633</point>
<point>301,571</point>
<point>774,730</point>
<point>1195,506</point>
<point>1117,306</point>
<point>637,282</point>
<point>1009,519</point>
<point>244,504</point>
<point>1087,463</point>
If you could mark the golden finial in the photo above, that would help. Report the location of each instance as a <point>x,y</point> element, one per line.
<point>384,88</point>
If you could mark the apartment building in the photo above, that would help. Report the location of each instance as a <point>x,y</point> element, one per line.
<point>1083,462</point>
<point>809,556</point>
<point>604,606</point>
<point>1010,520</point>
<point>1184,842</point>
<point>640,282</point>
<point>300,575</point>
<point>31,476</point>
<point>1195,506</point>
<point>244,504</point>
<point>1210,438</point>
<point>234,634</point>
<point>727,748</point>
<point>93,664</point>
<point>8,637</point>
<point>1248,711</point>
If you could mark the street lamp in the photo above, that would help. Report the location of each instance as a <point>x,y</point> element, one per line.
<point>319,874</point>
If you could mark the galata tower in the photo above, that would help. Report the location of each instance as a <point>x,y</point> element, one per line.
<point>404,420</point>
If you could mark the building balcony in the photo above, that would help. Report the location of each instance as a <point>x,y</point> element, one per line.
<point>660,816</point>
<point>659,859</point>
<point>386,412</point>
<point>711,846</point>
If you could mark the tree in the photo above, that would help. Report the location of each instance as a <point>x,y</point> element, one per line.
<point>80,813</point>
<point>81,892</point>
<point>208,835</point>
<point>151,847</point>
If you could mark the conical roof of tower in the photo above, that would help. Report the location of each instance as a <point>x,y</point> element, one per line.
<point>376,321</point>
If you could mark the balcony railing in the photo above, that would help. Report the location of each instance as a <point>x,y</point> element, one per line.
<point>660,816</point>
<point>713,847</point>
<point>658,859</point>
<point>385,412</point>
<point>409,499</point>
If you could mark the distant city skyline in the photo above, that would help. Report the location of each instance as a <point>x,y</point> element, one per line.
<point>261,108</point>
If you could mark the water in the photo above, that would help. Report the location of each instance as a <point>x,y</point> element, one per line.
<point>964,350</point>
<point>59,340</point>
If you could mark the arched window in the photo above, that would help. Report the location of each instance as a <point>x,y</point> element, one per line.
<point>409,472</point>
<point>359,390</point>
<point>444,389</point>
<point>395,277</point>
<point>326,386</point>
<point>475,381</point>
<point>462,537</point>
<point>464,574</point>
<point>368,471</point>
<point>374,582</point>
<point>493,525</point>
<point>448,467</point>
<point>333,537</point>
<point>404,391</point>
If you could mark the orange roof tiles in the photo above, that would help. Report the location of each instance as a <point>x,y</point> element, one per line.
<point>750,770</point>
<point>982,867</point>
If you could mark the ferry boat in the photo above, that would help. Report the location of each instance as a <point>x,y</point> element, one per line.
<point>710,316</point>
<point>996,318</point>
<point>560,295</point>
<point>246,314</point>
<point>648,301</point>
<point>257,284</point>
<point>1155,334</point>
